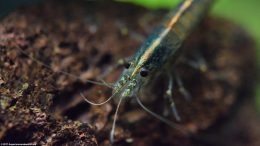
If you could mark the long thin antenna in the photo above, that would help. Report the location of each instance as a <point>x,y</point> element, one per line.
<point>166,121</point>
<point>103,83</point>
<point>92,103</point>
<point>114,122</point>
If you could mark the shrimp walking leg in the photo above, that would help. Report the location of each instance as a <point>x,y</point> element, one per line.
<point>181,87</point>
<point>199,63</point>
<point>169,97</point>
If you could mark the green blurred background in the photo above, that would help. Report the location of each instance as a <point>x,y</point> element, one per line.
<point>246,13</point>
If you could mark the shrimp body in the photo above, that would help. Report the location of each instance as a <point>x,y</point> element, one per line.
<point>162,46</point>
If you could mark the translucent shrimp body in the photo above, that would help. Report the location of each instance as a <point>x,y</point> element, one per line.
<point>161,48</point>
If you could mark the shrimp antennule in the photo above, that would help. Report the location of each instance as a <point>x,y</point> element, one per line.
<point>166,121</point>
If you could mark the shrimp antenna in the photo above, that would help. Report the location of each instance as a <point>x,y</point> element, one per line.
<point>112,133</point>
<point>92,103</point>
<point>102,83</point>
<point>166,121</point>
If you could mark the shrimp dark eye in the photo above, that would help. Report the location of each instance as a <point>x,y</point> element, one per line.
<point>127,65</point>
<point>144,72</point>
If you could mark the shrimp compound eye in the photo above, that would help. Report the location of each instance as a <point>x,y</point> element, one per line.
<point>127,65</point>
<point>144,72</point>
